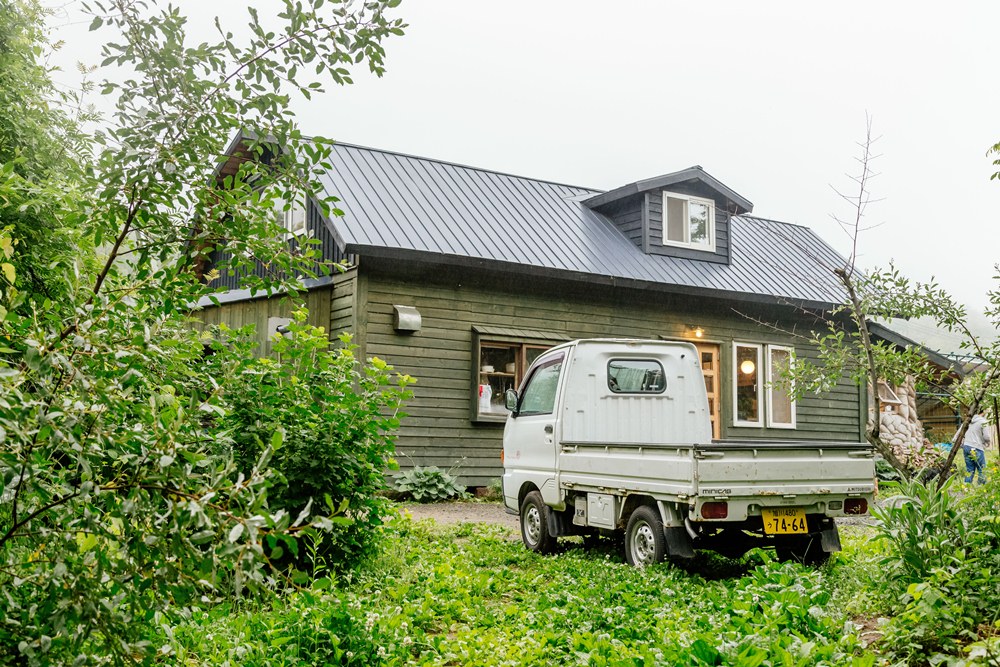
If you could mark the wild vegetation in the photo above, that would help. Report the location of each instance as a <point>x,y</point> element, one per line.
<point>168,498</point>
<point>918,589</point>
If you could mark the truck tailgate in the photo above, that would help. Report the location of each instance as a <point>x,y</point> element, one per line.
<point>754,469</point>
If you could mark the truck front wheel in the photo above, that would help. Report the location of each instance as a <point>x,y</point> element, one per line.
<point>645,543</point>
<point>535,525</point>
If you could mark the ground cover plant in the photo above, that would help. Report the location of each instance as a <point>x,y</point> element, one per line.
<point>471,594</point>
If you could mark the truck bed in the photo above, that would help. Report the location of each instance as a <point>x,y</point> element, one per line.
<point>750,474</point>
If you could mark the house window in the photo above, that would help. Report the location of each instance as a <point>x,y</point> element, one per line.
<point>292,215</point>
<point>752,382</point>
<point>636,376</point>
<point>688,221</point>
<point>780,399</point>
<point>501,367</point>
<point>746,384</point>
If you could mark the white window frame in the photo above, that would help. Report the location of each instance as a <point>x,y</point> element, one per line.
<point>760,393</point>
<point>771,423</point>
<point>686,243</point>
<point>293,218</point>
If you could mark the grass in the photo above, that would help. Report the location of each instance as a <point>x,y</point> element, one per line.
<point>472,595</point>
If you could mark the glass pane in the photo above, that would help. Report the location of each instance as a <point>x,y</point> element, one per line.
<point>539,396</point>
<point>675,220</point>
<point>709,384</point>
<point>781,398</point>
<point>494,377</point>
<point>747,395</point>
<point>532,353</point>
<point>698,217</point>
<point>635,376</point>
<point>707,361</point>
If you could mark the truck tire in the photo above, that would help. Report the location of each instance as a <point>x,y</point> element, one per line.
<point>645,543</point>
<point>535,524</point>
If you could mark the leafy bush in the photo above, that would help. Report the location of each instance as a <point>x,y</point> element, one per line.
<point>429,484</point>
<point>338,422</point>
<point>121,504</point>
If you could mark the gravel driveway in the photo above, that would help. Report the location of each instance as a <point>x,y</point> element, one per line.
<point>463,512</point>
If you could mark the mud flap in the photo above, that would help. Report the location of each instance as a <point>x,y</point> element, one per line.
<point>830,539</point>
<point>678,542</point>
<point>559,523</point>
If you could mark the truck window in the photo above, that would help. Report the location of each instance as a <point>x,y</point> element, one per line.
<point>636,376</point>
<point>539,395</point>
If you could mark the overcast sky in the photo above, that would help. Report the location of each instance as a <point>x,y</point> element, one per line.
<point>769,97</point>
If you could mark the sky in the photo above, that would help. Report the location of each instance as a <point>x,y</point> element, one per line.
<point>771,98</point>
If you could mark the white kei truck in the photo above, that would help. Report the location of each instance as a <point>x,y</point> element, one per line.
<point>613,437</point>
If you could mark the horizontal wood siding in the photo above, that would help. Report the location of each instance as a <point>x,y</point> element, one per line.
<point>656,247</point>
<point>439,429</point>
<point>257,311</point>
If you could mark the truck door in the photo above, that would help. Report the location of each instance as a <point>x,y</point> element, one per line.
<point>532,432</point>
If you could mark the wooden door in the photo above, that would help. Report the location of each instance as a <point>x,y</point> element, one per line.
<point>710,365</point>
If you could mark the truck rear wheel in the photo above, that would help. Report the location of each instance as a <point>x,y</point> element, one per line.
<point>645,543</point>
<point>535,525</point>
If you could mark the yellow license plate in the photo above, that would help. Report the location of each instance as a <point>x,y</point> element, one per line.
<point>784,520</point>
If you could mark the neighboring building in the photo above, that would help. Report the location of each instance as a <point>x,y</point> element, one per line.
<point>462,276</point>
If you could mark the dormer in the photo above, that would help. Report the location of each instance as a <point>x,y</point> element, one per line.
<point>683,214</point>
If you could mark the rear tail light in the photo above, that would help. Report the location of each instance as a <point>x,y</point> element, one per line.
<point>855,506</point>
<point>715,510</point>
<point>501,456</point>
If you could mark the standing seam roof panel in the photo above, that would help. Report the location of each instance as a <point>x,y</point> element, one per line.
<point>446,204</point>
<point>372,223</point>
<point>416,237</point>
<point>419,199</point>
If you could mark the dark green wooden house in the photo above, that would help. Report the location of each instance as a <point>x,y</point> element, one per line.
<point>460,276</point>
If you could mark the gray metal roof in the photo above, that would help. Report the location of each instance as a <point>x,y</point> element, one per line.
<point>404,206</point>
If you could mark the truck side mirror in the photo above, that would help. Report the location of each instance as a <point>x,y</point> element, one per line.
<point>510,401</point>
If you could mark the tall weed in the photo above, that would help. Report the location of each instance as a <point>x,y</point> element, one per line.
<point>943,567</point>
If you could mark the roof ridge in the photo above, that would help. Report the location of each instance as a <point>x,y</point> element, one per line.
<point>463,166</point>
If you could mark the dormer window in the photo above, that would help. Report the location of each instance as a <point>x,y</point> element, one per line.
<point>689,222</point>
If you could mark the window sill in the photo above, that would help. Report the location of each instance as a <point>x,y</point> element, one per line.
<point>490,420</point>
<point>701,247</point>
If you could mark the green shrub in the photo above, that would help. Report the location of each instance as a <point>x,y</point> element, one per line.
<point>429,484</point>
<point>944,563</point>
<point>338,419</point>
